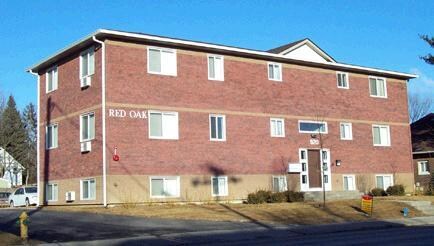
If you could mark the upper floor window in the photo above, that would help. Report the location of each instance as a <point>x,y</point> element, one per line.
<point>217,127</point>
<point>346,131</point>
<point>312,127</point>
<point>275,71</point>
<point>51,136</point>
<point>277,127</point>
<point>342,80</point>
<point>381,135</point>
<point>423,167</point>
<point>163,125</point>
<point>162,61</point>
<point>87,127</point>
<point>216,67</point>
<point>87,66</point>
<point>51,80</point>
<point>377,87</point>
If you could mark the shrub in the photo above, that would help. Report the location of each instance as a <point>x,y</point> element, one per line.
<point>294,196</point>
<point>258,197</point>
<point>396,190</point>
<point>378,192</point>
<point>278,197</point>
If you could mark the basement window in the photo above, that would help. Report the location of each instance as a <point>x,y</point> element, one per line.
<point>164,187</point>
<point>279,183</point>
<point>88,189</point>
<point>52,192</point>
<point>219,186</point>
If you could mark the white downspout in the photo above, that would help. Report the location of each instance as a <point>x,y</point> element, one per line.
<point>104,159</point>
<point>38,176</point>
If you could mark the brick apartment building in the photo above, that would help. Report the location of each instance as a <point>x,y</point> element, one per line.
<point>194,121</point>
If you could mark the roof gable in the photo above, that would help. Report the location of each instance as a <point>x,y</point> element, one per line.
<point>303,50</point>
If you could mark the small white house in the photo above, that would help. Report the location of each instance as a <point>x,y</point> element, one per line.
<point>11,171</point>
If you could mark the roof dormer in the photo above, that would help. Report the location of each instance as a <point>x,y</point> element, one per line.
<point>303,50</point>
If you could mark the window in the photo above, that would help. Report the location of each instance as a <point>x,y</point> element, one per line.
<point>384,181</point>
<point>51,80</point>
<point>219,186</point>
<point>349,182</point>
<point>342,79</point>
<point>162,61</point>
<point>217,127</point>
<point>19,191</point>
<point>346,131</point>
<point>51,136</point>
<point>216,67</point>
<point>88,189</point>
<point>423,167</point>
<point>277,127</point>
<point>87,66</point>
<point>312,127</point>
<point>87,127</point>
<point>275,71</point>
<point>162,187</point>
<point>377,87</point>
<point>279,183</point>
<point>52,192</point>
<point>381,135</point>
<point>163,125</point>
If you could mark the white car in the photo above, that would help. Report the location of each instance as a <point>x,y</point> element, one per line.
<point>24,196</point>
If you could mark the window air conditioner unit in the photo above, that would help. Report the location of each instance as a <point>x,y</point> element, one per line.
<point>85,81</point>
<point>86,146</point>
<point>70,196</point>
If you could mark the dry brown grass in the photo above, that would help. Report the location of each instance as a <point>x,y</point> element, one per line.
<point>11,239</point>
<point>408,198</point>
<point>282,213</point>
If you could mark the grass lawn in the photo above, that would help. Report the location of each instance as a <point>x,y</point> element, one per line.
<point>281,213</point>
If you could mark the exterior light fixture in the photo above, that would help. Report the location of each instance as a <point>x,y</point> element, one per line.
<point>338,163</point>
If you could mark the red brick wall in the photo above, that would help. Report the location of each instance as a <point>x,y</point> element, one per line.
<point>66,161</point>
<point>249,149</point>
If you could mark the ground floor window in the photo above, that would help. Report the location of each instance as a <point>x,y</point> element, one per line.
<point>384,181</point>
<point>279,183</point>
<point>162,187</point>
<point>219,186</point>
<point>349,182</point>
<point>88,189</point>
<point>52,192</point>
<point>423,168</point>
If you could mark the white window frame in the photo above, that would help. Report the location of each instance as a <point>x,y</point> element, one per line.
<point>313,132</point>
<point>225,191</point>
<point>162,116</point>
<point>223,128</point>
<point>56,196</point>
<point>285,187</point>
<point>279,65</point>
<point>81,189</point>
<point>347,80</point>
<point>384,175</point>
<point>283,127</point>
<point>388,142</point>
<point>56,145</point>
<point>376,79</point>
<point>94,127</point>
<point>353,178</point>
<point>54,77</point>
<point>350,137</point>
<point>419,169</point>
<point>178,183</point>
<point>160,49</point>
<point>220,77</point>
<point>90,53</point>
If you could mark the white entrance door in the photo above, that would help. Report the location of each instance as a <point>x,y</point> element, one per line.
<point>324,168</point>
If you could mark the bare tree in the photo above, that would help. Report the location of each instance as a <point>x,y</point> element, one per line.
<point>429,58</point>
<point>419,107</point>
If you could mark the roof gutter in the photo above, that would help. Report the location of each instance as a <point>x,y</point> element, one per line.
<point>223,48</point>
<point>104,157</point>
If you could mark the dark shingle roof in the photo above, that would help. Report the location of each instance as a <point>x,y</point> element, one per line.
<point>422,134</point>
<point>285,47</point>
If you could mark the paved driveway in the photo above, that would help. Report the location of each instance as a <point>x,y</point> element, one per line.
<point>96,229</point>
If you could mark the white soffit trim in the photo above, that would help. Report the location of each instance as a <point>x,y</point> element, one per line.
<point>215,46</point>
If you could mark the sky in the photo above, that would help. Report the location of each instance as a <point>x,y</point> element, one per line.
<point>379,34</point>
